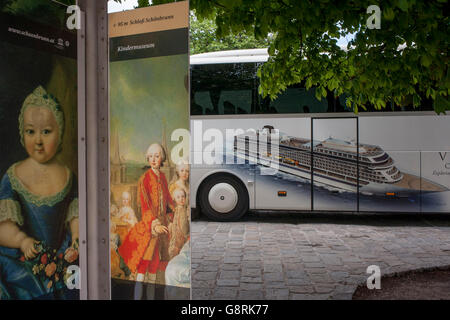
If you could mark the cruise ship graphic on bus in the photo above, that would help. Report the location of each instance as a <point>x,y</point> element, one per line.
<point>335,163</point>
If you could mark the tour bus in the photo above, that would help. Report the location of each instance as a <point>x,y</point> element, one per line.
<point>297,153</point>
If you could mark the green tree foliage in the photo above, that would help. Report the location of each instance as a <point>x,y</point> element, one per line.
<point>204,38</point>
<point>400,63</point>
<point>43,11</point>
<point>143,3</point>
<point>204,34</point>
<point>4,4</point>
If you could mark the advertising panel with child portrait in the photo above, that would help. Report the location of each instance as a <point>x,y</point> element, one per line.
<point>38,168</point>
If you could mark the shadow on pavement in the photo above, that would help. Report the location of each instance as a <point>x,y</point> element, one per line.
<point>344,218</point>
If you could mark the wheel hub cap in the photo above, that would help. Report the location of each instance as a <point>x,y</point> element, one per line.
<point>223,197</point>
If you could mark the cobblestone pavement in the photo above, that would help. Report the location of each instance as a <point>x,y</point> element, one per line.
<point>310,256</point>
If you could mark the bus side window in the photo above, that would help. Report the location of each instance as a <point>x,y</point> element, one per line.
<point>295,100</point>
<point>201,103</point>
<point>196,109</point>
<point>228,108</point>
<point>236,101</point>
<point>232,88</point>
<point>316,106</point>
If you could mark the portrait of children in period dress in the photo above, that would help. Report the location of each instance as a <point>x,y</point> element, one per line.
<point>181,179</point>
<point>38,207</point>
<point>149,101</point>
<point>145,249</point>
<point>179,228</point>
<point>162,229</point>
<point>126,212</point>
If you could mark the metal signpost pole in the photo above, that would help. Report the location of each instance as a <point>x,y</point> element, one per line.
<point>97,274</point>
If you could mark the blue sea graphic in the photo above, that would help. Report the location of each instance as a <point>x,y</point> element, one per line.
<point>328,198</point>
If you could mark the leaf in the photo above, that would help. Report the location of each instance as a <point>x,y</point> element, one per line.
<point>260,90</point>
<point>318,94</point>
<point>333,84</point>
<point>389,14</point>
<point>416,100</point>
<point>308,83</point>
<point>425,60</point>
<point>441,104</point>
<point>403,5</point>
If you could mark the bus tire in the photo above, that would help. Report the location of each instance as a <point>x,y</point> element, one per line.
<point>223,198</point>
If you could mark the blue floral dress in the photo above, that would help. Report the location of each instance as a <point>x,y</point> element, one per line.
<point>44,218</point>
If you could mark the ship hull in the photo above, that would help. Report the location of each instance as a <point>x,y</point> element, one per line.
<point>409,185</point>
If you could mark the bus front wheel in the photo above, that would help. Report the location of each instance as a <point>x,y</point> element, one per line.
<point>223,198</point>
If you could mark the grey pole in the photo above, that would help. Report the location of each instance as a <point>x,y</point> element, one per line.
<point>96,275</point>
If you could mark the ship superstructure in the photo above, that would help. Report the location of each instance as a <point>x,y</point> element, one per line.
<point>336,162</point>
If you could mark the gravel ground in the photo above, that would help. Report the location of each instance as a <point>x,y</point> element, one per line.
<point>415,285</point>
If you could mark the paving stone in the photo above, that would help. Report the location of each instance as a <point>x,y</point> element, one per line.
<point>297,296</point>
<point>205,275</point>
<point>228,282</point>
<point>339,275</point>
<point>203,283</point>
<point>223,293</point>
<point>201,294</point>
<point>273,276</point>
<point>297,274</point>
<point>233,253</point>
<point>251,272</point>
<point>301,289</point>
<point>251,279</point>
<point>277,294</point>
<point>251,258</point>
<point>321,270</point>
<point>293,266</point>
<point>250,286</point>
<point>202,267</point>
<point>273,268</point>
<point>232,260</point>
<point>342,296</point>
<point>274,284</point>
<point>231,266</point>
<point>310,265</point>
<point>252,264</point>
<point>250,295</point>
<point>266,257</point>
<point>212,258</point>
<point>298,282</point>
<point>310,258</point>
<point>229,274</point>
<point>323,288</point>
<point>348,288</point>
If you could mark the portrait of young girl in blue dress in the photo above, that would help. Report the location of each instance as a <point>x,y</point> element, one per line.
<point>38,208</point>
